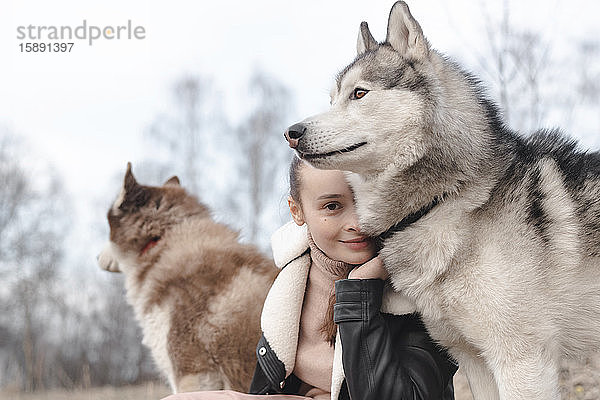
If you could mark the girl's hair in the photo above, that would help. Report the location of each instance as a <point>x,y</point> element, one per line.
<point>295,182</point>
<point>328,328</point>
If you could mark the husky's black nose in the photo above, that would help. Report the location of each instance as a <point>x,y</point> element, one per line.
<point>293,134</point>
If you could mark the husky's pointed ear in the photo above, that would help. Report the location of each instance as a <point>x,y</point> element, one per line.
<point>129,182</point>
<point>132,194</point>
<point>173,181</point>
<point>404,33</point>
<point>365,40</point>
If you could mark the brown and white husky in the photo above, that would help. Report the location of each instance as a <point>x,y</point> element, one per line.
<point>196,291</point>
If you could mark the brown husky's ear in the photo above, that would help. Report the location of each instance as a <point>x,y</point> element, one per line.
<point>129,182</point>
<point>404,33</point>
<point>133,194</point>
<point>173,181</point>
<point>365,40</point>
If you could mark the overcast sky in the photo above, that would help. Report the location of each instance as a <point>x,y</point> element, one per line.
<point>85,111</point>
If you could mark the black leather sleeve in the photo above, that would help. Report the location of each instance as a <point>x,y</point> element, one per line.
<point>269,375</point>
<point>387,356</point>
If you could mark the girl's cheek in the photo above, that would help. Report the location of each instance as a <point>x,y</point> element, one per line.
<point>325,228</point>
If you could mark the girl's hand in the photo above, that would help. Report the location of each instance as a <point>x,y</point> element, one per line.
<point>372,269</point>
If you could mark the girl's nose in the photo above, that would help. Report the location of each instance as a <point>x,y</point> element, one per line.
<point>352,223</point>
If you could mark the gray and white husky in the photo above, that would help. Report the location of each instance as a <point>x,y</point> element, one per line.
<point>495,237</point>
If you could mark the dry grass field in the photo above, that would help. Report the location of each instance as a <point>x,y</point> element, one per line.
<point>578,382</point>
<point>148,391</point>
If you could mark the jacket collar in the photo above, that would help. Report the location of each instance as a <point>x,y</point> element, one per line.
<point>288,243</point>
<point>280,319</point>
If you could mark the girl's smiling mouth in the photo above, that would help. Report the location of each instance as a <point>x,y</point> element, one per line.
<point>355,240</point>
<point>359,243</point>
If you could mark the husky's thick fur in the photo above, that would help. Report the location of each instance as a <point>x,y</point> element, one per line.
<point>494,236</point>
<point>196,291</point>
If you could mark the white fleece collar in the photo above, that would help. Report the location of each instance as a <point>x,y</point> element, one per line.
<point>289,242</point>
<point>280,319</point>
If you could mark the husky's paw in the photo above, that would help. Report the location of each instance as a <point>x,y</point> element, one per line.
<point>107,261</point>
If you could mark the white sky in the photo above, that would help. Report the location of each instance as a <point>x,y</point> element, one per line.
<point>85,111</point>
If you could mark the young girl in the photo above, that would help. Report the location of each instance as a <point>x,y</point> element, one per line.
<point>387,353</point>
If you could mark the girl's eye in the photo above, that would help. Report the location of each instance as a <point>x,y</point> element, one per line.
<point>358,93</point>
<point>332,206</point>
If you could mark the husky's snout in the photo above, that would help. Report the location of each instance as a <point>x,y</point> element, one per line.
<point>293,134</point>
<point>107,260</point>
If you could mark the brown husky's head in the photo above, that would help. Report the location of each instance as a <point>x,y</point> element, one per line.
<point>140,217</point>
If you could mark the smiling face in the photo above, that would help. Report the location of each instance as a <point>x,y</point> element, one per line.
<point>326,205</point>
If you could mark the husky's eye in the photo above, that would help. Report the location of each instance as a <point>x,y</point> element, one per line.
<point>358,93</point>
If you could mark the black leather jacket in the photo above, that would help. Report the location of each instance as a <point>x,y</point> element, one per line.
<point>385,356</point>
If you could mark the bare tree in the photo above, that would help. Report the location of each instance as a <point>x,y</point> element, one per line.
<point>32,223</point>
<point>50,334</point>
<point>516,64</point>
<point>588,86</point>
<point>534,89</point>
<point>530,57</point>
<point>263,156</point>
<point>233,170</point>
<point>106,344</point>
<point>498,67</point>
<point>182,139</point>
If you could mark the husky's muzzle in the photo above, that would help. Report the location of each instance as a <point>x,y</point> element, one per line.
<point>293,134</point>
